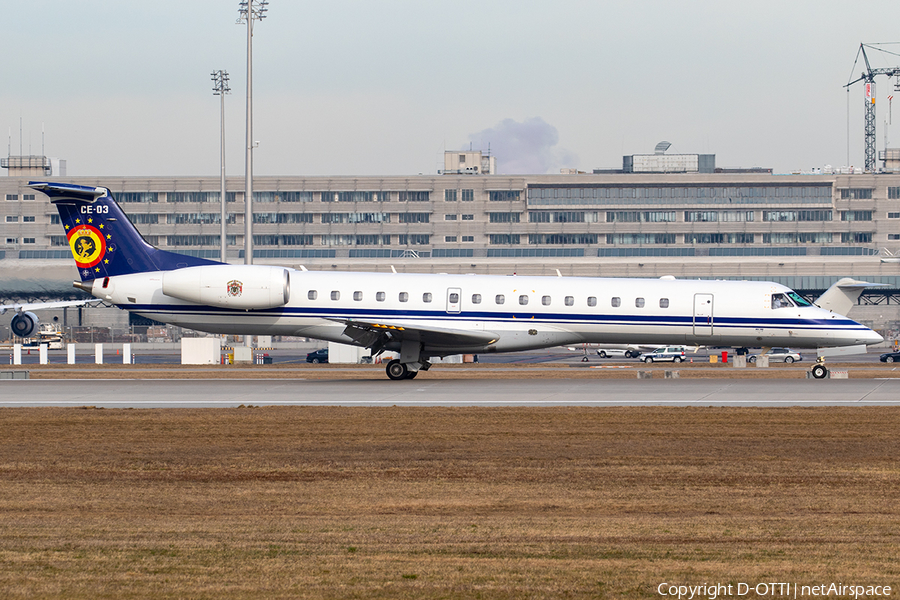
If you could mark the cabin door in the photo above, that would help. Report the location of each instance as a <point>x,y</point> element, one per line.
<point>703,315</point>
<point>453,297</point>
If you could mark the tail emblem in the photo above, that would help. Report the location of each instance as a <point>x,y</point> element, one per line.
<point>88,245</point>
<point>235,288</point>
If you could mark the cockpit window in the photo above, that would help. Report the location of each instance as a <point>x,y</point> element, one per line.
<point>781,301</point>
<point>798,299</point>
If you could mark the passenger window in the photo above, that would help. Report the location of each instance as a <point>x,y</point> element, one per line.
<point>592,301</point>
<point>570,300</point>
<point>335,295</point>
<point>616,302</point>
<point>379,296</point>
<point>639,302</point>
<point>545,300</point>
<point>523,299</point>
<point>500,299</point>
<point>664,303</point>
<point>476,298</point>
<point>426,297</point>
<point>404,297</point>
<point>357,296</point>
<point>454,298</point>
<point>312,294</point>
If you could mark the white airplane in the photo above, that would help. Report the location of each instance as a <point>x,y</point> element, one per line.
<point>25,323</point>
<point>426,316</point>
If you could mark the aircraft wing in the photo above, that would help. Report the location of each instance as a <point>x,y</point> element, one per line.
<point>44,305</point>
<point>375,334</point>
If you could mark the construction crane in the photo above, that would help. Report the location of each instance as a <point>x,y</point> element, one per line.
<point>869,77</point>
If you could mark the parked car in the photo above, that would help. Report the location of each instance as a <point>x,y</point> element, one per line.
<point>610,352</point>
<point>319,356</point>
<point>779,355</point>
<point>666,353</point>
<point>890,357</point>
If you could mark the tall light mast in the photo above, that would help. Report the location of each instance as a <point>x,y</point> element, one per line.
<point>220,88</point>
<point>249,11</point>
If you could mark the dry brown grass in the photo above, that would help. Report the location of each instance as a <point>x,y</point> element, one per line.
<point>322,502</point>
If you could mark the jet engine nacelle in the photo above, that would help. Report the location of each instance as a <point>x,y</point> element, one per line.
<point>24,324</point>
<point>251,287</point>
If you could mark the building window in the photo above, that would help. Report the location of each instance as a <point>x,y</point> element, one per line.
<point>12,240</point>
<point>616,302</point>
<point>856,237</point>
<point>496,217</point>
<point>476,298</point>
<point>413,239</point>
<point>146,197</point>
<point>894,193</point>
<point>468,238</point>
<point>639,302</point>
<point>404,297</point>
<point>856,194</point>
<point>335,295</point>
<point>12,218</point>
<point>503,195</point>
<point>895,215</point>
<point>500,299</point>
<point>468,217</point>
<point>449,195</point>
<point>503,238</point>
<point>894,236</point>
<point>545,300</point>
<point>468,195</point>
<point>28,219</point>
<point>357,196</point>
<point>312,294</point>
<point>12,197</point>
<point>415,196</point>
<point>27,197</point>
<point>415,217</point>
<point>523,299</point>
<point>27,240</point>
<point>450,217</point>
<point>700,216</point>
<point>664,303</point>
<point>856,215</point>
<point>450,238</point>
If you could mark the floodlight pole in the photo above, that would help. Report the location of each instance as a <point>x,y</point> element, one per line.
<point>220,82</point>
<point>249,11</point>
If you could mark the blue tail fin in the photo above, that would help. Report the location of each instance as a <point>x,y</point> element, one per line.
<point>103,241</point>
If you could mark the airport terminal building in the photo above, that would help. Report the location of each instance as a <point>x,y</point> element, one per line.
<point>805,231</point>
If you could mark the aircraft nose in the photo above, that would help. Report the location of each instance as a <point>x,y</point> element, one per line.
<point>872,338</point>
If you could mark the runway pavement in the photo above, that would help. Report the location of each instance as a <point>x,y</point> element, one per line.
<point>131,393</point>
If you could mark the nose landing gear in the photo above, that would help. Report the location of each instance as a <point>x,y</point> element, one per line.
<point>818,370</point>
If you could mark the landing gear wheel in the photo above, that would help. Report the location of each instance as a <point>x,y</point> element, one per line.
<point>412,374</point>
<point>396,370</point>
<point>819,371</point>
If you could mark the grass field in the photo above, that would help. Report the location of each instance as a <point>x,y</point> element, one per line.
<point>310,502</point>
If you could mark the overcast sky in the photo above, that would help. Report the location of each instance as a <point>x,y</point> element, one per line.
<point>374,87</point>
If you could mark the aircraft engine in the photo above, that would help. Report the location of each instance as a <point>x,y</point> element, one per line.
<point>249,287</point>
<point>24,324</point>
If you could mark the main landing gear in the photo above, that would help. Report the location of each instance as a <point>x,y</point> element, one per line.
<point>397,370</point>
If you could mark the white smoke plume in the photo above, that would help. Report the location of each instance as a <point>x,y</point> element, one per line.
<point>529,147</point>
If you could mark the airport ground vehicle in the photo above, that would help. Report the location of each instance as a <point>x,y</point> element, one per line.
<point>611,352</point>
<point>779,355</point>
<point>664,354</point>
<point>890,357</point>
<point>319,356</point>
